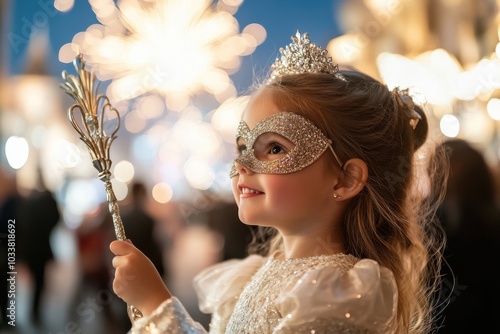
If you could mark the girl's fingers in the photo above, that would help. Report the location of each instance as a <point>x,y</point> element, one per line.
<point>118,261</point>
<point>121,247</point>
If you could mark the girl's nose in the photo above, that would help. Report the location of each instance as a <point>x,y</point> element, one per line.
<point>242,169</point>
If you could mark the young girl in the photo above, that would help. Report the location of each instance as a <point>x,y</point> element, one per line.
<point>327,162</point>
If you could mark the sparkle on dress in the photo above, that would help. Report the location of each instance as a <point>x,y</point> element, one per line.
<point>321,294</point>
<point>255,310</point>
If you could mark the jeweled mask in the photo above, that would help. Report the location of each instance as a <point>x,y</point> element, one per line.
<point>308,140</point>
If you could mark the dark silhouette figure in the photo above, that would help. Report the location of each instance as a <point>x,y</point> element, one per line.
<point>223,218</point>
<point>9,200</point>
<point>37,216</point>
<point>140,226</point>
<point>472,225</point>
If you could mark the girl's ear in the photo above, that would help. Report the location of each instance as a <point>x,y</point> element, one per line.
<point>353,179</point>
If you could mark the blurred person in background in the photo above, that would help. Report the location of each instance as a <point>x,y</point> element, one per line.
<point>9,200</point>
<point>37,216</point>
<point>141,227</point>
<point>223,218</point>
<point>471,220</point>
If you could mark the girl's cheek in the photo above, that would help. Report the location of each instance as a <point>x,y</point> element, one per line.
<point>234,186</point>
<point>279,186</point>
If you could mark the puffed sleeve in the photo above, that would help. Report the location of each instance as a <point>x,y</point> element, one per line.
<point>170,317</point>
<point>362,300</point>
<point>218,287</point>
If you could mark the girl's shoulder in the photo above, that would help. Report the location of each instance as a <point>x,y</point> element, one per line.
<point>224,281</point>
<point>352,291</point>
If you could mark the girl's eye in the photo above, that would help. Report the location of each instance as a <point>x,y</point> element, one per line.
<point>276,149</point>
<point>241,149</point>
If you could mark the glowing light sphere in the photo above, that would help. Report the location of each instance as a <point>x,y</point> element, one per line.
<point>449,125</point>
<point>172,47</point>
<point>493,108</point>
<point>17,151</point>
<point>124,171</point>
<point>162,193</point>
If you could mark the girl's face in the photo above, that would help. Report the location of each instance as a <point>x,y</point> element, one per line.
<point>290,201</point>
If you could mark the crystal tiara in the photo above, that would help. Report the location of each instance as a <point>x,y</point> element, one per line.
<point>302,56</point>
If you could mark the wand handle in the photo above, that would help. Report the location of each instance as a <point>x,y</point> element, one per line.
<point>133,312</point>
<point>113,208</point>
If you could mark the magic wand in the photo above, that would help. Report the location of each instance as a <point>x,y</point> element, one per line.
<point>87,118</point>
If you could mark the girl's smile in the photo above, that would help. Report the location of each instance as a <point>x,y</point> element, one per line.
<point>247,192</point>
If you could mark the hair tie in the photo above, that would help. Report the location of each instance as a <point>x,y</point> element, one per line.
<point>404,100</point>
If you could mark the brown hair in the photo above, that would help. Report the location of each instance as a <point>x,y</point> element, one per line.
<point>386,222</point>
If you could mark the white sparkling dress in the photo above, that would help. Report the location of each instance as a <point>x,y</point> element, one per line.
<point>322,294</point>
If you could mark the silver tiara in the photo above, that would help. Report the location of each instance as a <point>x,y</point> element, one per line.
<point>302,56</point>
<point>404,100</point>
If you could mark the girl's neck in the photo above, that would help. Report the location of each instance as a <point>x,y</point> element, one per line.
<point>302,246</point>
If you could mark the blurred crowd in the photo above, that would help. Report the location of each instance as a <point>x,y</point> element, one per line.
<point>64,275</point>
<point>470,217</point>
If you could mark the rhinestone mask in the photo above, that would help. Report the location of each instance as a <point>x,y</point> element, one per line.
<point>309,144</point>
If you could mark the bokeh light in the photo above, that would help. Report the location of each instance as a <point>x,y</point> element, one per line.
<point>198,173</point>
<point>493,108</point>
<point>124,171</point>
<point>449,125</point>
<point>65,154</point>
<point>151,47</point>
<point>162,193</point>
<point>64,5</point>
<point>120,189</point>
<point>17,151</point>
<point>82,196</point>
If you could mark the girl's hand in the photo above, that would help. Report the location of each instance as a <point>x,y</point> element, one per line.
<point>137,281</point>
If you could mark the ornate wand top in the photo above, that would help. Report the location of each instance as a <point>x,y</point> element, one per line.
<point>91,107</point>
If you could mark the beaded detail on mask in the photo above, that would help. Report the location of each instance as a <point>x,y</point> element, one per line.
<point>309,141</point>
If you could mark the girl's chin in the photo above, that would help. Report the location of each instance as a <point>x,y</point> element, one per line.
<point>255,222</point>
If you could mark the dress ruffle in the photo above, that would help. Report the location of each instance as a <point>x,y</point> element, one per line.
<point>356,298</point>
<point>363,297</point>
<point>223,282</point>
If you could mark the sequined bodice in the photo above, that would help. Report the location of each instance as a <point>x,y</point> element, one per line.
<point>315,295</point>
<point>274,277</point>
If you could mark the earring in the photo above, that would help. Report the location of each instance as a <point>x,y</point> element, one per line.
<point>335,195</point>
